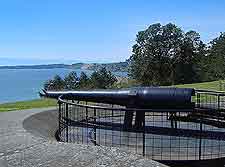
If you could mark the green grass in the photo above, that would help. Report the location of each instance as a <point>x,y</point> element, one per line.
<point>21,105</point>
<point>214,85</point>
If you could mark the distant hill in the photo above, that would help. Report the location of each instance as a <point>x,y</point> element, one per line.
<point>121,66</point>
<point>48,66</point>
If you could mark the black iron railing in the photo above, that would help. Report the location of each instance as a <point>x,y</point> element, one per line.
<point>165,134</point>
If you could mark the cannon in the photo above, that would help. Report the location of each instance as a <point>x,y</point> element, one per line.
<point>134,98</point>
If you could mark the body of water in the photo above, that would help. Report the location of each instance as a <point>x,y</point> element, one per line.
<point>24,84</point>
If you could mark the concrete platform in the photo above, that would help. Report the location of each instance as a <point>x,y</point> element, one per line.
<point>27,140</point>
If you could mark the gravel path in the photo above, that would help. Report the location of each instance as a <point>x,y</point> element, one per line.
<point>27,140</point>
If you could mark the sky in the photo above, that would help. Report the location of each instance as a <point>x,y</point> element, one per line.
<point>100,31</point>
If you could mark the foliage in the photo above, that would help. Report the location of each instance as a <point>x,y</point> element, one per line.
<point>216,58</point>
<point>84,81</point>
<point>71,81</point>
<point>57,83</point>
<point>187,63</point>
<point>100,79</point>
<point>165,55</point>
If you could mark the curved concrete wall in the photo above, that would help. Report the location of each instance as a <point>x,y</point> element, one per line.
<point>43,124</point>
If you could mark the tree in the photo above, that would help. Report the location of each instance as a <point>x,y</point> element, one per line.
<point>56,84</point>
<point>151,62</point>
<point>48,85</point>
<point>216,58</point>
<point>165,55</point>
<point>102,79</point>
<point>84,81</point>
<point>71,81</point>
<point>99,79</point>
<point>187,62</point>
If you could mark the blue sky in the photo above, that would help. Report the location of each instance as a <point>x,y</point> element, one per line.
<point>70,31</point>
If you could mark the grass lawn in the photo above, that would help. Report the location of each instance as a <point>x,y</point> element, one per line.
<point>215,85</point>
<point>39,103</point>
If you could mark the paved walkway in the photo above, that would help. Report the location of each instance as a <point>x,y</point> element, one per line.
<point>27,140</point>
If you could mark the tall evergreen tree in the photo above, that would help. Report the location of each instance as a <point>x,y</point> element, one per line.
<point>84,81</point>
<point>57,83</point>
<point>102,79</point>
<point>71,81</point>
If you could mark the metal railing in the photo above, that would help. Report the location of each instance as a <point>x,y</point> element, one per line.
<point>173,134</point>
<point>210,99</point>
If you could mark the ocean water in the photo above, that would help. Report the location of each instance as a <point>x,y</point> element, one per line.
<point>24,84</point>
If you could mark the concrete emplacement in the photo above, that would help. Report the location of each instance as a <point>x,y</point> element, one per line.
<point>27,138</point>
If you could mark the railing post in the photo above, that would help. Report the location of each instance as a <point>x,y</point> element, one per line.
<point>95,142</point>
<point>112,122</point>
<point>59,119</point>
<point>143,151</point>
<point>86,116</point>
<point>218,101</point>
<point>200,139</point>
<point>67,123</point>
<point>198,99</point>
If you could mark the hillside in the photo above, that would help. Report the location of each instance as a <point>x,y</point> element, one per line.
<point>121,66</point>
<point>114,67</point>
<point>46,66</point>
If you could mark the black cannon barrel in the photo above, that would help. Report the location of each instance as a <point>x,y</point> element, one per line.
<point>139,97</point>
